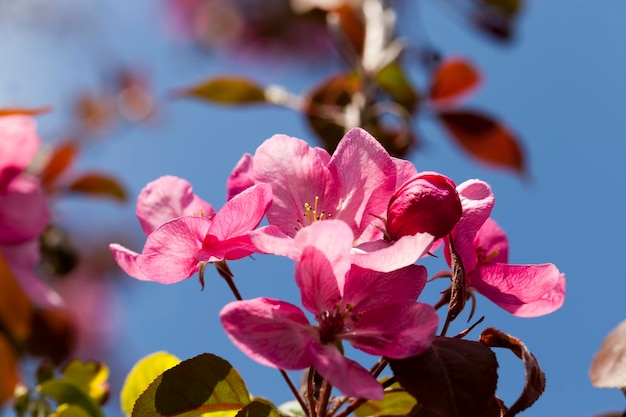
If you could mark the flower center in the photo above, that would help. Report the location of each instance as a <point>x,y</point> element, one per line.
<point>484,257</point>
<point>341,319</point>
<point>311,214</point>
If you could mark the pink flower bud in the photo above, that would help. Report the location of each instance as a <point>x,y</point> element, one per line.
<point>426,202</point>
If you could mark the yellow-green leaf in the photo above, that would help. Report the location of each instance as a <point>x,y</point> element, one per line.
<point>89,376</point>
<point>227,90</point>
<point>65,392</point>
<point>258,408</point>
<point>66,410</point>
<point>394,403</point>
<point>142,374</point>
<point>201,386</point>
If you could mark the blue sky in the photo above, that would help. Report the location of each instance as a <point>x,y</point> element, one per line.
<point>560,87</point>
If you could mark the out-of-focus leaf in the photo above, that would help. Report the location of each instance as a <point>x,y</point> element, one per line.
<point>97,184</point>
<point>394,403</point>
<point>351,26</point>
<point>453,79</point>
<point>535,382</point>
<point>89,376</point>
<point>12,111</point>
<point>142,374</point>
<point>135,101</point>
<point>227,90</point>
<point>16,309</point>
<point>8,369</point>
<point>53,335</point>
<point>453,378</point>
<point>608,369</point>
<point>95,112</point>
<point>58,254</point>
<point>484,138</point>
<point>509,8</point>
<point>67,410</point>
<point>326,104</point>
<point>397,140</point>
<point>258,409</point>
<point>65,392</point>
<point>60,159</point>
<point>195,387</point>
<point>393,80</point>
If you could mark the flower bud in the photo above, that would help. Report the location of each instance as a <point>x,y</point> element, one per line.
<point>426,202</point>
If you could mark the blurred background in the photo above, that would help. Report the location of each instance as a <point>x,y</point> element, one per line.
<point>110,71</point>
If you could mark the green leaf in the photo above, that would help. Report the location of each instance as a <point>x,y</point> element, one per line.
<point>394,403</point>
<point>227,90</point>
<point>202,386</point>
<point>258,408</point>
<point>65,392</point>
<point>142,374</point>
<point>393,80</point>
<point>66,410</point>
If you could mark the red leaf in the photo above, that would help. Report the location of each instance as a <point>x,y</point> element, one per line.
<point>352,26</point>
<point>453,378</point>
<point>97,184</point>
<point>24,111</point>
<point>453,78</point>
<point>8,369</point>
<point>484,138</point>
<point>535,382</point>
<point>60,159</point>
<point>15,307</point>
<point>54,334</point>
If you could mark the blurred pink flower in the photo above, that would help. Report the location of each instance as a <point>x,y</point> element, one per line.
<point>376,312</point>
<point>183,231</point>
<point>522,290</point>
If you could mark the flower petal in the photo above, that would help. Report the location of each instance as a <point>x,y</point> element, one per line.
<point>242,213</point>
<point>170,252</point>
<point>347,375</point>
<point>366,176</point>
<point>18,145</point>
<point>492,240</point>
<point>396,330</point>
<point>128,260</point>
<point>271,332</point>
<point>241,177</point>
<point>404,170</point>
<point>24,211</point>
<point>319,287</point>
<point>165,199</point>
<point>386,256</point>
<point>522,290</point>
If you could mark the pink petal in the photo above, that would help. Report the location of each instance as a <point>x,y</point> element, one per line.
<point>241,178</point>
<point>23,211</point>
<point>493,242</point>
<point>317,282</point>
<point>270,239</point>
<point>170,252</point>
<point>242,213</point>
<point>297,175</point>
<point>345,374</point>
<point>397,330</point>
<point>522,290</point>
<point>18,145</point>
<point>271,332</point>
<point>477,200</point>
<point>165,199</point>
<point>129,261</point>
<point>404,170</point>
<point>214,250</point>
<point>386,256</point>
<point>366,176</point>
<point>366,289</point>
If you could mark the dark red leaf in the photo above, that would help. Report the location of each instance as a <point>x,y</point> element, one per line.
<point>58,162</point>
<point>226,90</point>
<point>535,382</point>
<point>352,27</point>
<point>453,378</point>
<point>15,307</point>
<point>97,184</point>
<point>54,334</point>
<point>8,369</point>
<point>453,78</point>
<point>484,138</point>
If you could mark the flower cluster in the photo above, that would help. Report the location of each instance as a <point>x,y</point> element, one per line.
<point>355,223</point>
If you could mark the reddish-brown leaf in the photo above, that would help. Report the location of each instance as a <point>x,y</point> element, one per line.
<point>15,307</point>
<point>535,382</point>
<point>54,334</point>
<point>453,79</point>
<point>61,158</point>
<point>226,90</point>
<point>484,138</point>
<point>453,378</point>
<point>608,369</point>
<point>352,27</point>
<point>13,111</point>
<point>8,369</point>
<point>97,184</point>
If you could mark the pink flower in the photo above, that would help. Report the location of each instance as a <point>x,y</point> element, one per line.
<point>23,208</point>
<point>376,312</point>
<point>175,248</point>
<point>426,203</point>
<point>522,290</point>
